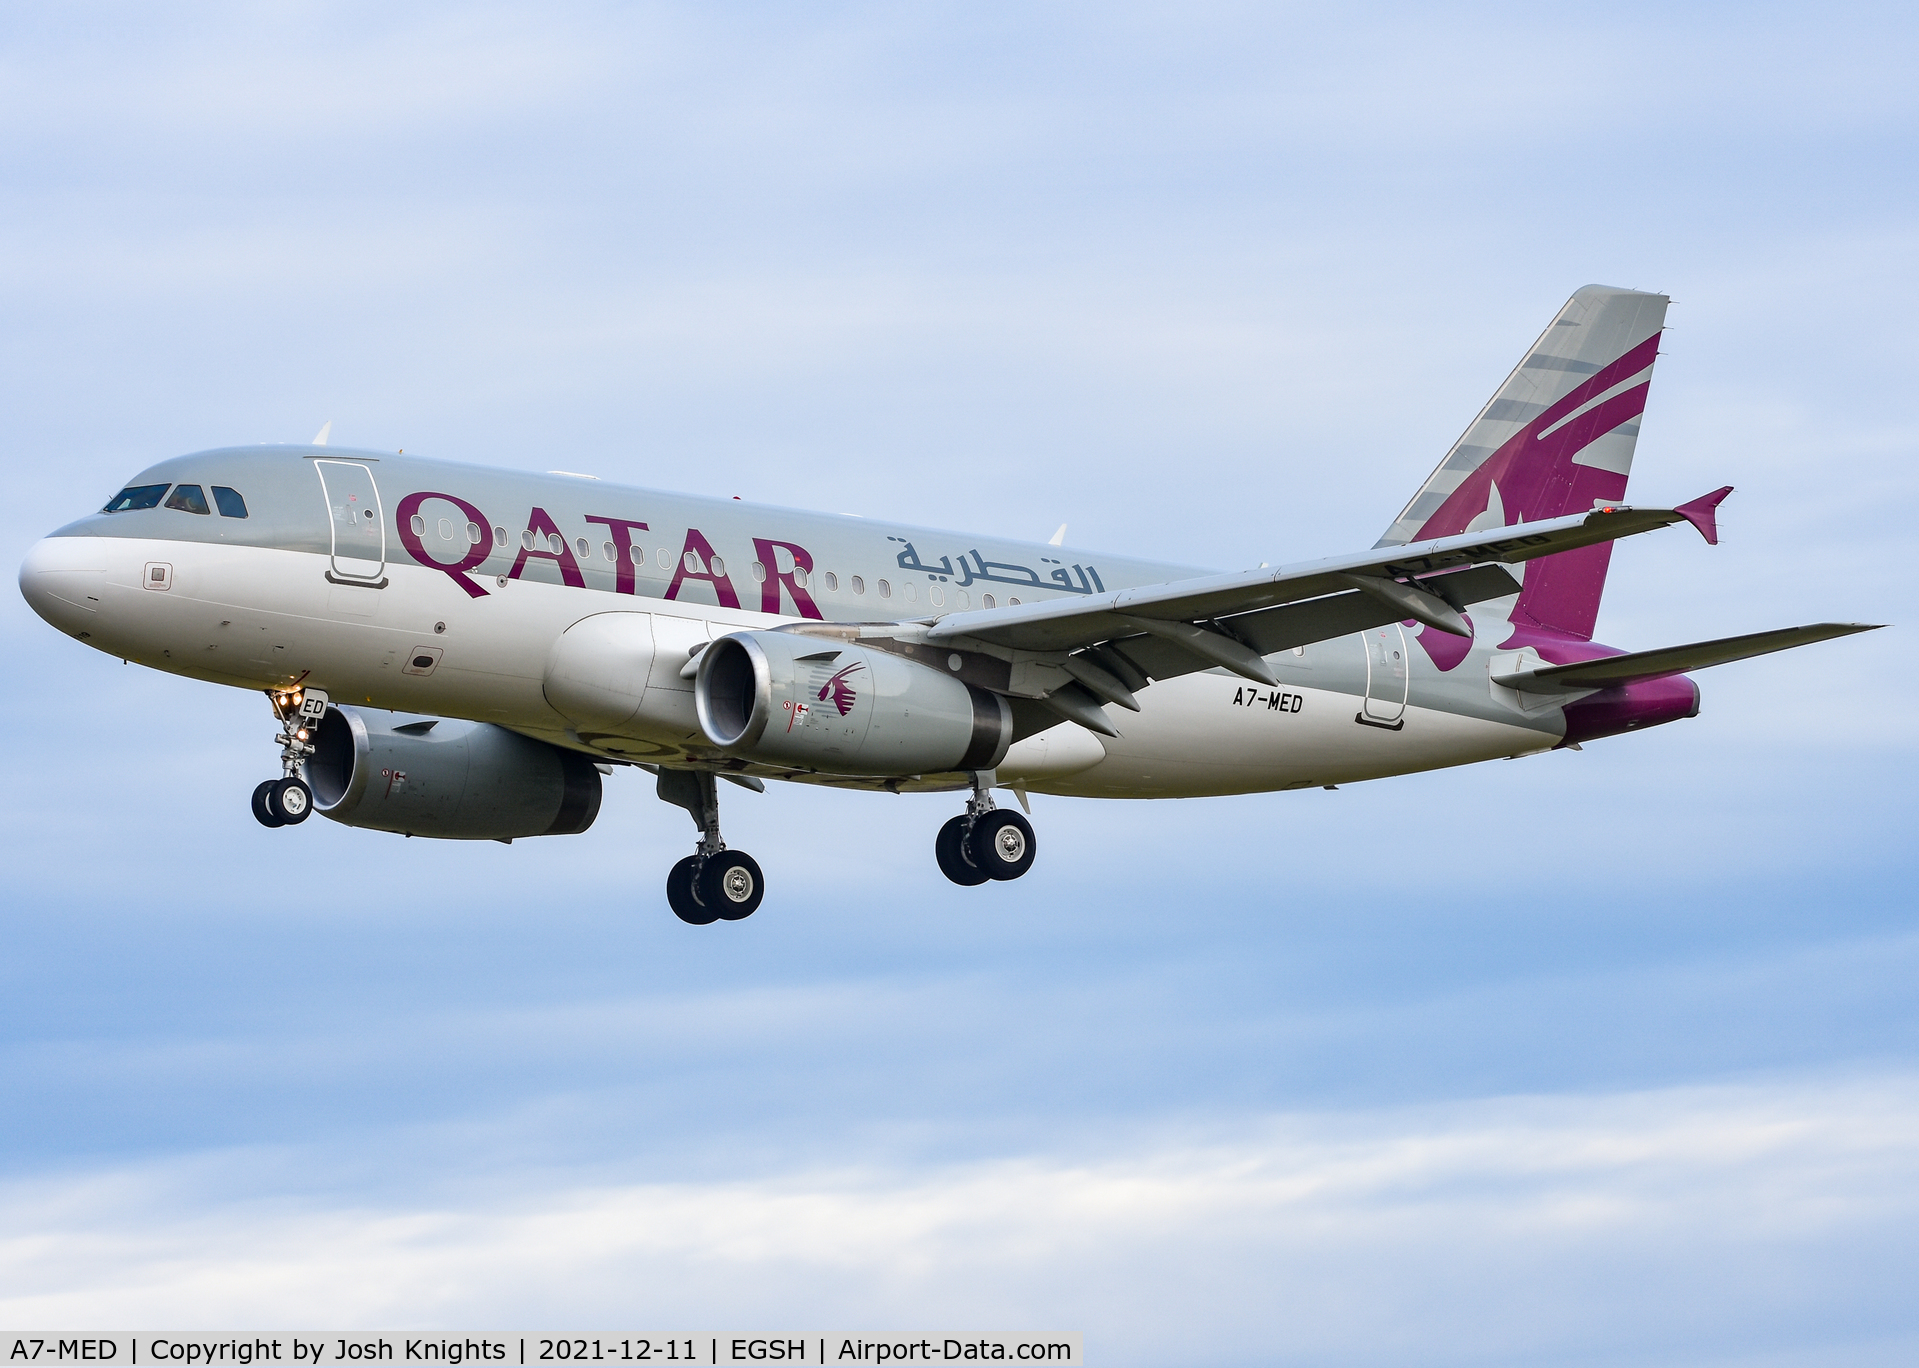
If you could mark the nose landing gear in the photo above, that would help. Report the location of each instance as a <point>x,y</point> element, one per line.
<point>713,883</point>
<point>288,801</point>
<point>985,843</point>
<point>282,802</point>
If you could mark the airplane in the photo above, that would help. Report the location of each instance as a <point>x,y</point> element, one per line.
<point>463,652</point>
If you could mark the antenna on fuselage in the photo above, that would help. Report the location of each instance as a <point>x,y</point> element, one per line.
<point>1058,538</point>
<point>319,438</point>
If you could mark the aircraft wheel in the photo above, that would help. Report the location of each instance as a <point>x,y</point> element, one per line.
<point>261,811</point>
<point>1001,844</point>
<point>732,885</point>
<point>290,800</point>
<point>681,897</point>
<point>949,848</point>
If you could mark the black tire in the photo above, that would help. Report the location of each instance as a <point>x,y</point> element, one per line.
<point>732,885</point>
<point>261,811</point>
<point>290,800</point>
<point>1001,843</point>
<point>949,848</point>
<point>681,897</point>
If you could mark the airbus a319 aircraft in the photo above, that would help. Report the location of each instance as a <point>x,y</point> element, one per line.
<point>463,652</point>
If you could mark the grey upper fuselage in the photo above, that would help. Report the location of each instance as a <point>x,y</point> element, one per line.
<point>286,511</point>
<point>273,603</point>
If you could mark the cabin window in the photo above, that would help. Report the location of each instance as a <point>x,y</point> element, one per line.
<point>584,547</point>
<point>474,536</point>
<point>1011,602</point>
<point>719,567</point>
<point>446,529</point>
<point>556,543</point>
<point>692,562</point>
<point>960,597</point>
<point>912,594</point>
<point>759,571</point>
<point>799,577</point>
<point>135,497</point>
<point>859,585</point>
<point>665,559</point>
<point>639,555</point>
<point>986,601</point>
<point>607,550</point>
<point>189,499</point>
<point>419,525</point>
<point>937,595</point>
<point>886,590</point>
<point>229,502</point>
<point>526,540</point>
<point>832,582</point>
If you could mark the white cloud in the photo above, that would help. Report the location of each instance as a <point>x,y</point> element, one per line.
<point>1599,1227</point>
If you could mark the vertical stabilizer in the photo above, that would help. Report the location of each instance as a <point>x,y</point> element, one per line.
<point>1556,439</point>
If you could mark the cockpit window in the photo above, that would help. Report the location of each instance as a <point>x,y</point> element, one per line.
<point>230,502</point>
<point>189,499</point>
<point>135,496</point>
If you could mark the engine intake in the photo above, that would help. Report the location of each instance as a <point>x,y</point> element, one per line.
<point>463,781</point>
<point>800,701</point>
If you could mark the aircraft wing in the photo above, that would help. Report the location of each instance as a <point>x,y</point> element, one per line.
<point>1063,625</point>
<point>1610,671</point>
<point>1114,643</point>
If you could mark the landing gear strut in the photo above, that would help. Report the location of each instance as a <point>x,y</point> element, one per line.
<point>287,801</point>
<point>985,843</point>
<point>713,883</point>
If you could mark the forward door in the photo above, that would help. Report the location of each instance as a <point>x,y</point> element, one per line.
<point>357,520</point>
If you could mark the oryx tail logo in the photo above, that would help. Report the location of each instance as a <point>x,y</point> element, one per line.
<point>838,691</point>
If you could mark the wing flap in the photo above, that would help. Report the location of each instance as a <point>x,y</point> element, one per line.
<point>1612,671</point>
<point>1337,615</point>
<point>1269,631</point>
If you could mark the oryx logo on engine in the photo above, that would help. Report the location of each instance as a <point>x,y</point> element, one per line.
<point>838,691</point>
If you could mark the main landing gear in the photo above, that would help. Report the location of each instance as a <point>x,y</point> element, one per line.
<point>713,883</point>
<point>287,801</point>
<point>986,842</point>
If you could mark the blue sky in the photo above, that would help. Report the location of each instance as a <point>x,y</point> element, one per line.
<point>1589,1058</point>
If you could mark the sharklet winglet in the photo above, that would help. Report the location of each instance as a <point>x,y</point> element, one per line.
<point>1703,513</point>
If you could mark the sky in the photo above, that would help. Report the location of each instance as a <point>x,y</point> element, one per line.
<point>1589,1058</point>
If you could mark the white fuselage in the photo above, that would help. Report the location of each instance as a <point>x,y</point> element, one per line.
<point>263,617</point>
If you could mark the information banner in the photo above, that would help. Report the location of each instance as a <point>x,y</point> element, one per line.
<point>448,1350</point>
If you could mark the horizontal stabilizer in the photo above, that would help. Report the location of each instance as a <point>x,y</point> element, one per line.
<point>1611,671</point>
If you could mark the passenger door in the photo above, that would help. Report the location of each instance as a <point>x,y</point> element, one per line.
<point>358,522</point>
<point>1386,677</point>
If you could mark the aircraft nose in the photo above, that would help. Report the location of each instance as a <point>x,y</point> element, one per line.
<point>63,580</point>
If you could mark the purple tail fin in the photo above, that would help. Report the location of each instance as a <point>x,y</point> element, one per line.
<point>1556,439</point>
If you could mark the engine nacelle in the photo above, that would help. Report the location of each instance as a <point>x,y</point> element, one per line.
<point>465,781</point>
<point>781,698</point>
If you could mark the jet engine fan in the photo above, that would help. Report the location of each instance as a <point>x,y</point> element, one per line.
<point>781,698</point>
